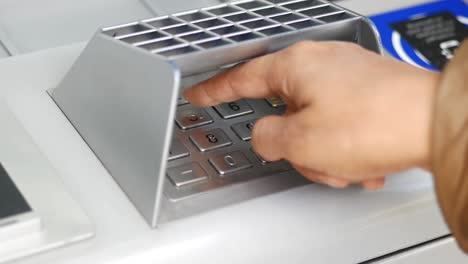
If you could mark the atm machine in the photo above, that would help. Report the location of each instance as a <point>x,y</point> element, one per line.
<point>102,160</point>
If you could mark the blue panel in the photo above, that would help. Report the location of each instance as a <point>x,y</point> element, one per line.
<point>396,45</point>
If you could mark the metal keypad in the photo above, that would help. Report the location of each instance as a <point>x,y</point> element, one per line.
<point>209,140</point>
<point>230,162</point>
<point>189,116</point>
<point>215,142</point>
<point>244,130</point>
<point>233,109</point>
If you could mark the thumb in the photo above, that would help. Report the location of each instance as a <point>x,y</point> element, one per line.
<point>268,137</point>
<point>291,137</point>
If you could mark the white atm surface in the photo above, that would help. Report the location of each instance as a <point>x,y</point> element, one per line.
<point>3,52</point>
<point>309,224</point>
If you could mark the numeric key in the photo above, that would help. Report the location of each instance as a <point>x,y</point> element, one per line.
<point>187,174</point>
<point>244,130</point>
<point>234,109</point>
<point>230,163</point>
<point>211,139</point>
<point>262,160</point>
<point>181,101</point>
<point>189,116</point>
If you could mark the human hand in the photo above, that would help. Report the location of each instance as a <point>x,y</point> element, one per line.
<point>353,116</point>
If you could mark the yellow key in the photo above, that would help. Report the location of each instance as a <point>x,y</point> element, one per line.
<point>275,101</point>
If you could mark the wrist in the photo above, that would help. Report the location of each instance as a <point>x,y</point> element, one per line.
<point>429,85</point>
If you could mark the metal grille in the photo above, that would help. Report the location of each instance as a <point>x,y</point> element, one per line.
<point>226,24</point>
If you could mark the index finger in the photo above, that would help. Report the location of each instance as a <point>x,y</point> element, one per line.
<point>252,79</point>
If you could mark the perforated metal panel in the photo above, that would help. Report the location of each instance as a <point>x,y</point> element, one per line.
<point>227,24</point>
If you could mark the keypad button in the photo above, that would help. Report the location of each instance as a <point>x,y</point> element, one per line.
<point>262,160</point>
<point>189,116</point>
<point>230,163</point>
<point>177,150</point>
<point>181,100</point>
<point>244,130</point>
<point>275,101</point>
<point>187,174</point>
<point>284,163</point>
<point>233,109</point>
<point>211,139</point>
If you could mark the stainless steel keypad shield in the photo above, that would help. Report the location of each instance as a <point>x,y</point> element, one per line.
<point>123,95</point>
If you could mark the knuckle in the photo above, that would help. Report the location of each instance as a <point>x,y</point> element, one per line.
<point>325,48</point>
<point>302,50</point>
<point>298,49</point>
<point>231,84</point>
